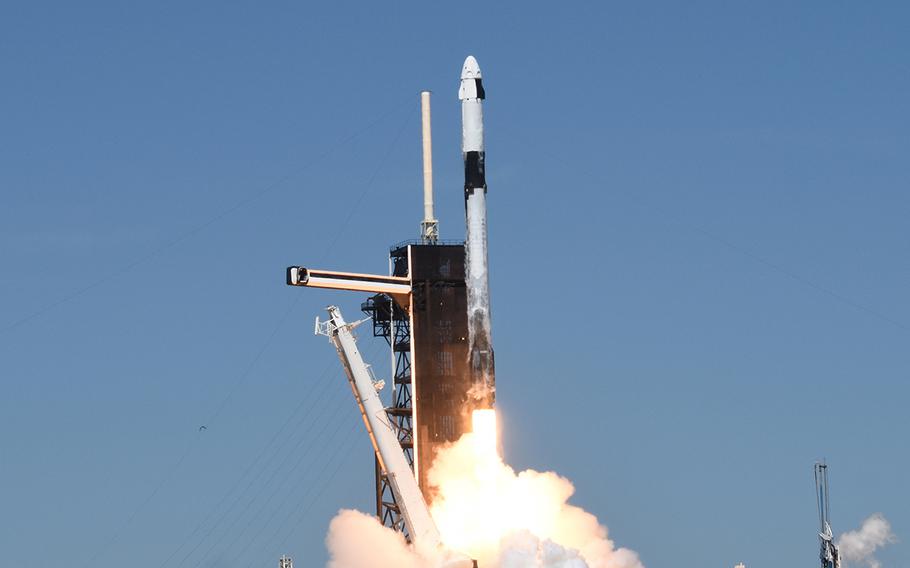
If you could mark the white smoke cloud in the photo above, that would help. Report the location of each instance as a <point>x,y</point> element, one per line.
<point>484,509</point>
<point>859,546</point>
<point>358,540</point>
<point>524,550</point>
<point>488,511</point>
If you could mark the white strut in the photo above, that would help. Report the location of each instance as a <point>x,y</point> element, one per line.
<point>420,524</point>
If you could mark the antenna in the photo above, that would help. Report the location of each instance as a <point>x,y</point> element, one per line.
<point>429,228</point>
<point>829,555</point>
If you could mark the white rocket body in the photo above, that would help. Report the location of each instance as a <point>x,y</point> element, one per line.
<point>477,279</point>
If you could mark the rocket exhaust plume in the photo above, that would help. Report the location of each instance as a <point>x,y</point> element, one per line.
<point>505,519</point>
<point>486,510</point>
<point>483,427</point>
<point>477,280</point>
<point>481,507</point>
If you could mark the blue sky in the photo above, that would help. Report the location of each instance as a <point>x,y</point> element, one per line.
<point>724,183</point>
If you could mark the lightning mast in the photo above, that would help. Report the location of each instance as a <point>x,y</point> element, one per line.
<point>429,228</point>
<point>829,555</point>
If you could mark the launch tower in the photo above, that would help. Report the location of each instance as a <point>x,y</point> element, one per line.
<point>429,345</point>
<point>421,310</point>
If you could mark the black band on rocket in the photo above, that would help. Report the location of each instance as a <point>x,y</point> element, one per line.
<point>473,172</point>
<point>478,84</point>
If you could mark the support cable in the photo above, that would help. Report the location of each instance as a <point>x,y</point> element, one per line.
<point>193,231</point>
<point>255,462</point>
<point>342,229</point>
<point>321,417</point>
<point>171,471</point>
<point>304,509</point>
<point>247,545</point>
<point>744,251</point>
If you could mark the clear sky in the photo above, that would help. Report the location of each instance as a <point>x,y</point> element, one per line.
<point>698,236</point>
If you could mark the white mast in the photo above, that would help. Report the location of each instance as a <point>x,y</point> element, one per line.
<point>429,228</point>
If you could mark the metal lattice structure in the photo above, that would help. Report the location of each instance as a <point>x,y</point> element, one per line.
<point>421,310</point>
<point>391,322</point>
<point>829,554</point>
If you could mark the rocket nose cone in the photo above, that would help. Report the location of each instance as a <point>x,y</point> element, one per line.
<point>470,70</point>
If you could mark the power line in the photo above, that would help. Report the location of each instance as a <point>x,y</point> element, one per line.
<point>802,280</point>
<point>284,316</point>
<point>333,242</point>
<point>253,463</point>
<point>327,443</point>
<point>744,251</point>
<point>310,438</point>
<point>236,518</point>
<point>353,209</point>
<point>199,227</point>
<point>347,446</point>
<point>118,533</point>
<point>176,466</point>
<point>309,418</point>
<point>300,461</point>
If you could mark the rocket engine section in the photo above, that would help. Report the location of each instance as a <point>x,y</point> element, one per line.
<point>477,280</point>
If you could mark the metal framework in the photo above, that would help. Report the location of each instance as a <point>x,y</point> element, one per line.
<point>392,323</point>
<point>382,432</point>
<point>420,310</point>
<point>829,554</point>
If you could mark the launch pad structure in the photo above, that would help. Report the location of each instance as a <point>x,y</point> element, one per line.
<point>429,344</point>
<point>422,311</point>
<point>433,311</point>
<point>427,331</point>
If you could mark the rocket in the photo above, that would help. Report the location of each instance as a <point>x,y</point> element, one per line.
<point>477,280</point>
